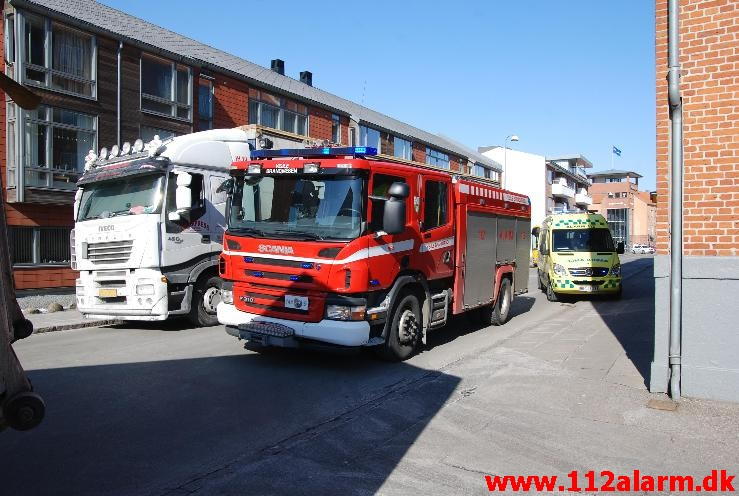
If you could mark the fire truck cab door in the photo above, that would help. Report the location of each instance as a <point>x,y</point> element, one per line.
<point>436,251</point>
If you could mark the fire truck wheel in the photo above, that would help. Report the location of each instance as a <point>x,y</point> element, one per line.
<point>405,330</point>
<point>499,315</point>
<point>551,295</point>
<point>24,411</point>
<point>205,299</point>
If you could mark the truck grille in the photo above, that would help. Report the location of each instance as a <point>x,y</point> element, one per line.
<point>590,271</point>
<point>110,251</point>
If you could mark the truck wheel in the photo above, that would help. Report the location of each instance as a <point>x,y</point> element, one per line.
<point>24,411</point>
<point>502,307</point>
<point>542,286</point>
<point>205,298</point>
<point>405,330</point>
<point>551,295</point>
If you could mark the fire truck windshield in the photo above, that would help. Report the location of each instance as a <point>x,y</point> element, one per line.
<point>139,194</point>
<point>294,207</point>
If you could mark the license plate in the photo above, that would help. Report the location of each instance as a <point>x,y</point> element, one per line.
<point>587,289</point>
<point>296,302</point>
<point>108,293</point>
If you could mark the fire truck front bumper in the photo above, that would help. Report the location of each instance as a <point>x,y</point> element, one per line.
<point>269,331</point>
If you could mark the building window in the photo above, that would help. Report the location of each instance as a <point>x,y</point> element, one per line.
<point>369,137</point>
<point>9,39</point>
<point>402,148</point>
<point>436,205</point>
<point>482,171</point>
<point>39,245</point>
<point>205,104</point>
<point>148,133</point>
<point>335,128</point>
<point>58,57</point>
<point>618,222</point>
<point>277,112</point>
<point>437,158</point>
<point>165,88</point>
<point>55,144</point>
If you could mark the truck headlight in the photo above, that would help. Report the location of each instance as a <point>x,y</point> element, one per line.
<point>341,312</point>
<point>559,270</point>
<point>227,296</point>
<point>616,270</point>
<point>144,289</point>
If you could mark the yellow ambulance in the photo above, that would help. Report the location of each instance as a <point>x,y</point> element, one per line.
<point>577,255</point>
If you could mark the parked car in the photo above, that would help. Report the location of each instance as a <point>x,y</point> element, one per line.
<point>642,249</point>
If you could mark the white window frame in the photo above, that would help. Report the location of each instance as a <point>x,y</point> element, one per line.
<point>49,151</point>
<point>409,149</point>
<point>280,115</point>
<point>201,82</point>
<point>20,23</point>
<point>437,158</point>
<point>336,118</point>
<point>174,105</point>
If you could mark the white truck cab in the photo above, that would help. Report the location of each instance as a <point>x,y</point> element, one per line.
<point>149,223</point>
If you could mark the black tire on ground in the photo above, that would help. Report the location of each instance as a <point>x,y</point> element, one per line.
<point>502,307</point>
<point>618,294</point>
<point>405,331</point>
<point>24,411</point>
<point>551,295</point>
<point>205,297</point>
<point>542,286</point>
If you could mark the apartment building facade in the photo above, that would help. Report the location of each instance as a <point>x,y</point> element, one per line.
<point>106,77</point>
<point>630,213</point>
<point>553,184</point>
<point>708,85</point>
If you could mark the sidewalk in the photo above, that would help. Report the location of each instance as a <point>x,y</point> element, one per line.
<point>61,321</point>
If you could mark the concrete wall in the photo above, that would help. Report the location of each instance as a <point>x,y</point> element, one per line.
<point>525,174</point>
<point>710,340</point>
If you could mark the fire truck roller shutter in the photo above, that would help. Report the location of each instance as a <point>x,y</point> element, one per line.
<point>479,271</point>
<point>523,253</point>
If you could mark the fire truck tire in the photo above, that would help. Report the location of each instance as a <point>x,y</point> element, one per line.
<point>205,298</point>
<point>502,307</point>
<point>405,329</point>
<point>24,411</point>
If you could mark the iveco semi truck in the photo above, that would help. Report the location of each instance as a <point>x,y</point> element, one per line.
<point>149,222</point>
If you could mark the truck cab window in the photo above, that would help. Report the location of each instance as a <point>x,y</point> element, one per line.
<point>436,204</point>
<point>197,190</point>
<point>380,185</point>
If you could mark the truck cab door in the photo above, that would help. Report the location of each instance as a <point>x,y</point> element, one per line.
<point>436,252</point>
<point>217,210</point>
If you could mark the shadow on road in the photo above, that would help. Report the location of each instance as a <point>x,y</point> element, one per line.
<point>241,424</point>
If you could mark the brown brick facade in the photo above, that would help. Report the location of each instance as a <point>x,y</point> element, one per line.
<point>709,58</point>
<point>319,123</point>
<point>230,102</point>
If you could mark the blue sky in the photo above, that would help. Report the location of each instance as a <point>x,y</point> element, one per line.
<point>566,76</point>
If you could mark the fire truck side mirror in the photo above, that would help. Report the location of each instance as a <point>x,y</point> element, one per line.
<point>393,219</point>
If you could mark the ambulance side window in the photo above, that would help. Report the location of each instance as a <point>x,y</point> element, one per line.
<point>380,184</point>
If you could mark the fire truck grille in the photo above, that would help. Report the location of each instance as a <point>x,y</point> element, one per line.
<point>110,251</point>
<point>589,271</point>
<point>279,276</point>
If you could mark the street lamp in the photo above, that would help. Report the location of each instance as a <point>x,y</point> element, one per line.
<point>512,137</point>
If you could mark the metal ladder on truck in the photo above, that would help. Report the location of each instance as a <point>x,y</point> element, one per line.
<point>20,407</point>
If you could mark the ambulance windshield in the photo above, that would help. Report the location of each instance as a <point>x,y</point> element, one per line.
<point>307,207</point>
<point>582,240</point>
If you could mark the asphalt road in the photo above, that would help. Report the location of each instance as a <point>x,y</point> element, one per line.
<point>158,409</point>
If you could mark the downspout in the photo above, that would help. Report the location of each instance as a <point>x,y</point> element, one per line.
<point>676,194</point>
<point>118,96</point>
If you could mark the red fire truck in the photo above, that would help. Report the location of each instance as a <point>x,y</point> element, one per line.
<point>336,247</point>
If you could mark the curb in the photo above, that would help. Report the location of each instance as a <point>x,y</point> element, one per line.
<point>76,325</point>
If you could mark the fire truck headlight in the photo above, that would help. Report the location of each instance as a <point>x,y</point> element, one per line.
<point>559,270</point>
<point>227,296</point>
<point>341,312</point>
<point>616,270</point>
<point>144,289</point>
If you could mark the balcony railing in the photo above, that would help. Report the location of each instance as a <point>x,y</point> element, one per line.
<point>583,198</point>
<point>560,188</point>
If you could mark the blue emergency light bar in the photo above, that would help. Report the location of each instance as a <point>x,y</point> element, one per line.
<point>355,151</point>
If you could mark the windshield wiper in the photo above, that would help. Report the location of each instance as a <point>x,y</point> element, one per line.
<point>300,234</point>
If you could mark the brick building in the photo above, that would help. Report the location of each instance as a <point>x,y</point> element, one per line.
<point>106,77</point>
<point>630,212</point>
<point>709,88</point>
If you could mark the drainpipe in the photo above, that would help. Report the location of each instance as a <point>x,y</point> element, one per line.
<point>676,195</point>
<point>118,96</point>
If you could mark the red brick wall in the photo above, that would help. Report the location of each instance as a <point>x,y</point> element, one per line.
<point>319,122</point>
<point>43,277</point>
<point>709,60</point>
<point>344,130</point>
<point>419,152</point>
<point>230,102</point>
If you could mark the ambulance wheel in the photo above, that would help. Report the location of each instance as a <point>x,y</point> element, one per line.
<point>542,286</point>
<point>205,298</point>
<point>618,294</point>
<point>551,295</point>
<point>502,307</point>
<point>24,411</point>
<point>405,330</point>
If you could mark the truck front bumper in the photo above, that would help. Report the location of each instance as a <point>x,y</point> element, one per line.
<point>122,294</point>
<point>291,333</point>
<point>578,285</point>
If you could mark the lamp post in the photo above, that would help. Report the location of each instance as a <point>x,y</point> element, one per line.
<point>513,138</point>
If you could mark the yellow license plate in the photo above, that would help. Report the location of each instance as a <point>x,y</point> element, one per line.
<point>108,293</point>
